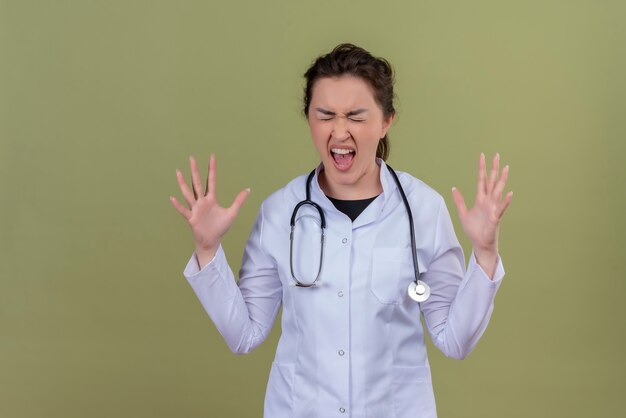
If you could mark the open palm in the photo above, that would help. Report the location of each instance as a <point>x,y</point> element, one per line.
<point>208,220</point>
<point>481,222</point>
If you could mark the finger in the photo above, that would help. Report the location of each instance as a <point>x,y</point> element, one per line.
<point>497,191</point>
<point>184,189</point>
<point>482,174</point>
<point>195,178</point>
<point>459,202</point>
<point>505,204</point>
<point>212,180</point>
<point>180,208</point>
<point>238,202</point>
<point>493,175</point>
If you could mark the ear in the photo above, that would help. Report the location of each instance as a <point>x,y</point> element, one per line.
<point>387,124</point>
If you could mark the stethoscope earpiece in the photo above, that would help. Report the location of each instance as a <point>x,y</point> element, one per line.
<point>419,291</point>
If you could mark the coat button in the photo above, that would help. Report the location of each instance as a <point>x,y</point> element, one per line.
<point>340,294</point>
<point>341,352</point>
<point>342,410</point>
<point>344,240</point>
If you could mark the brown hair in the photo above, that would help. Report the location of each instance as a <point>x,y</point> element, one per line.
<point>352,60</point>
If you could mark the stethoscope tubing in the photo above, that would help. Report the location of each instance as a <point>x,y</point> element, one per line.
<point>411,225</point>
<point>418,290</point>
<point>309,202</point>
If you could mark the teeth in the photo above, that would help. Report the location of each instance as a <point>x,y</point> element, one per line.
<point>341,151</point>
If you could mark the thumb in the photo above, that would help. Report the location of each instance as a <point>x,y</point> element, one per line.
<point>459,202</point>
<point>238,202</point>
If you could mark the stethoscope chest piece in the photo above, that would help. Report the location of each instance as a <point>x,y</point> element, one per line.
<point>419,291</point>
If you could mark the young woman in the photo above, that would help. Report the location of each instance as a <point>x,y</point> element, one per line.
<point>352,292</point>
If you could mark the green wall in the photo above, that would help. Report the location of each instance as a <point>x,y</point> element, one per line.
<point>100,102</point>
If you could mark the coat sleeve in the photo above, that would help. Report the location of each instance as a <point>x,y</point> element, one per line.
<point>461,301</point>
<point>243,311</point>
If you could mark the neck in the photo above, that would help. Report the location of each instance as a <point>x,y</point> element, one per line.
<point>365,187</point>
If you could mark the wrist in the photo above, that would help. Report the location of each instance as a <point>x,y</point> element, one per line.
<point>487,260</point>
<point>205,254</point>
<point>485,252</point>
<point>207,247</point>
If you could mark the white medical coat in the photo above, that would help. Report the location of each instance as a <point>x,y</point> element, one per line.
<point>354,345</point>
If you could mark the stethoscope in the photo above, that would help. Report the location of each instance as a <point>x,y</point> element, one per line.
<point>418,290</point>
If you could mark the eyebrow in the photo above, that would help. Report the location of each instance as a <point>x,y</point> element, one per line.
<point>350,113</point>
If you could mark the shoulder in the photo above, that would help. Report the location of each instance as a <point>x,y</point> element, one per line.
<point>418,192</point>
<point>279,204</point>
<point>429,209</point>
<point>293,190</point>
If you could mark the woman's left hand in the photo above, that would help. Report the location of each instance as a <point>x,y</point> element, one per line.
<point>481,223</point>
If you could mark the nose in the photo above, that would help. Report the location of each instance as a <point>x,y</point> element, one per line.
<point>340,128</point>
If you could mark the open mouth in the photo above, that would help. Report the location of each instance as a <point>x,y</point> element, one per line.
<point>342,157</point>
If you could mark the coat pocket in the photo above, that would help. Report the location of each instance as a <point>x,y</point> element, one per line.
<point>392,272</point>
<point>279,395</point>
<point>413,392</point>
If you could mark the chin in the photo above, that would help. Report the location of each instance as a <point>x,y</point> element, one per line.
<point>344,178</point>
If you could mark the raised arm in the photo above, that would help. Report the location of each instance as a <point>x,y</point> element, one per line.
<point>461,301</point>
<point>243,311</point>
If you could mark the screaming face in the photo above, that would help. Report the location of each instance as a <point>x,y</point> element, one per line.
<point>346,124</point>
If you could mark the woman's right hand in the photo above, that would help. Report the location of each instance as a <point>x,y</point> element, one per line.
<point>207,219</point>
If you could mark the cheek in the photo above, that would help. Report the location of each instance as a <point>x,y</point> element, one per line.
<point>318,132</point>
<point>318,138</point>
<point>368,134</point>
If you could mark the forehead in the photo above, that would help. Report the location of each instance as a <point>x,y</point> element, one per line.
<point>343,93</point>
